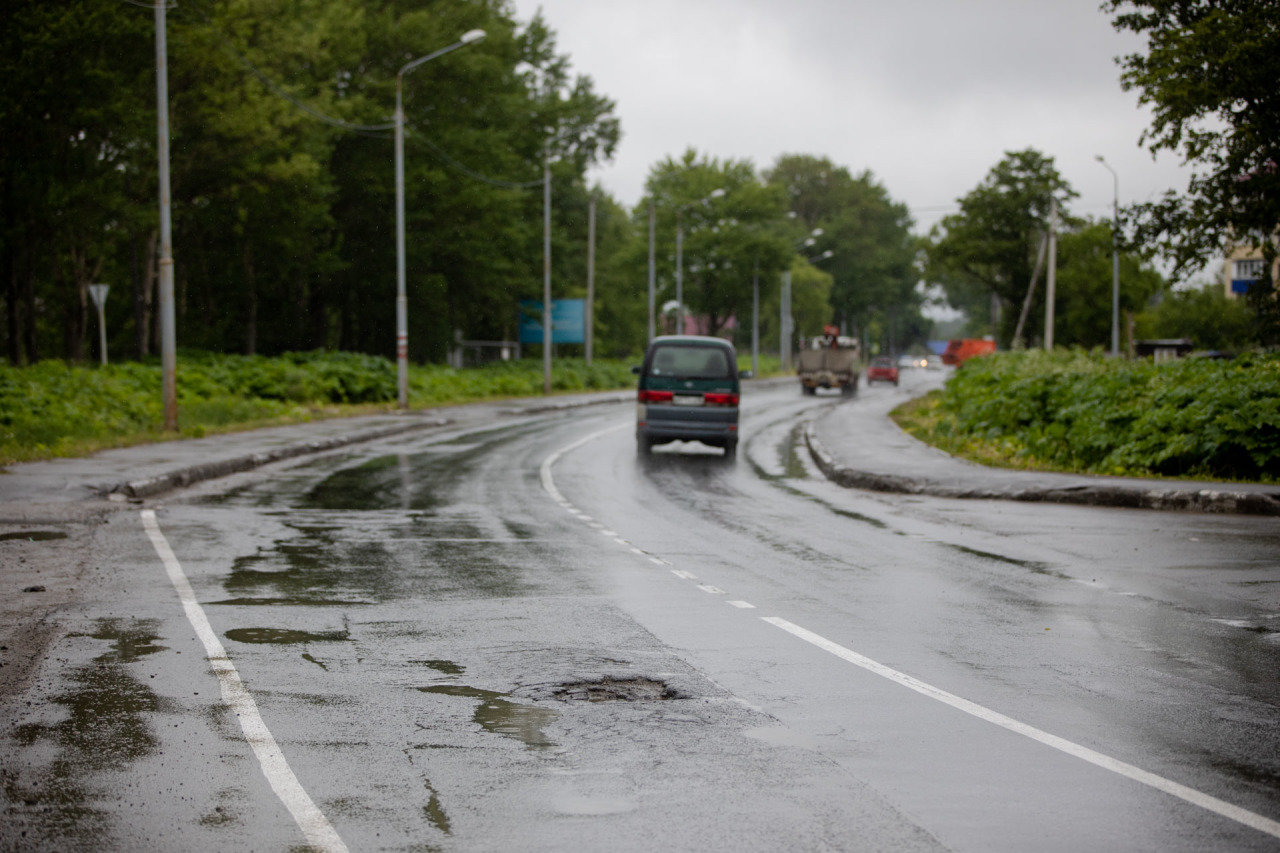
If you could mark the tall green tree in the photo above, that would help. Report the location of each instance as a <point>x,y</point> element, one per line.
<point>987,251</point>
<point>1206,315</point>
<point>1082,309</point>
<point>1211,73</point>
<point>735,232</point>
<point>873,253</point>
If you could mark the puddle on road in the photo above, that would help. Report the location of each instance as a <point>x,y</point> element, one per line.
<point>499,715</point>
<point>32,536</point>
<point>106,727</point>
<point>448,667</point>
<point>284,636</point>
<point>431,557</point>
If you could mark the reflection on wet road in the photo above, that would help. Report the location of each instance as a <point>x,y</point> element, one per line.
<point>453,656</point>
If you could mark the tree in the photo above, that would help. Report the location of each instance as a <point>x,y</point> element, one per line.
<point>1084,284</point>
<point>987,251</point>
<point>734,228</point>
<point>1206,315</point>
<point>873,260</point>
<point>1212,75</point>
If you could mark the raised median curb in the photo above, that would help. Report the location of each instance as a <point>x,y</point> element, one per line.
<point>1222,500</point>
<point>180,477</point>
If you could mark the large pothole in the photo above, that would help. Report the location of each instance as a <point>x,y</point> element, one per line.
<point>616,690</point>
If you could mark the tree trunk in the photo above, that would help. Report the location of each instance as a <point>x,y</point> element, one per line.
<point>251,321</point>
<point>144,281</point>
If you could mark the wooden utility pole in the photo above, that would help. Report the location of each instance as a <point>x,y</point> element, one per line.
<point>1051,283</point>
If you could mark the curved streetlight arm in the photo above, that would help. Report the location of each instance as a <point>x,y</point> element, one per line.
<point>402,301</point>
<point>467,38</point>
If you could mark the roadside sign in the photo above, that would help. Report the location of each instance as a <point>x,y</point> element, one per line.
<point>568,321</point>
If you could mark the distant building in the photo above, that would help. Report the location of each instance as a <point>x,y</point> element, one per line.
<point>1243,266</point>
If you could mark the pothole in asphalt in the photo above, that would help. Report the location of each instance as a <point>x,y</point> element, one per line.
<point>616,690</point>
<point>284,636</point>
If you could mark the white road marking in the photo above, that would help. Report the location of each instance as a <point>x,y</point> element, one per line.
<point>714,590</point>
<point>315,827</point>
<point>1190,795</point>
<point>1106,762</point>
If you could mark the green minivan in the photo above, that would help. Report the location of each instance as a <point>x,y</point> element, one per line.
<point>688,390</point>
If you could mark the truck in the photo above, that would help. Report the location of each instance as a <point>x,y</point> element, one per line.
<point>960,350</point>
<point>829,361</point>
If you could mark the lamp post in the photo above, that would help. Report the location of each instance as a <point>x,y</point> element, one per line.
<point>168,335</point>
<point>1115,260</point>
<point>716,193</point>
<point>402,302</point>
<point>785,321</point>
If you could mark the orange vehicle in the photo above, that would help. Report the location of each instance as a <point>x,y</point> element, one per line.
<point>961,349</point>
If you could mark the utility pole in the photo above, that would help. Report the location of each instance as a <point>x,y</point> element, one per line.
<point>546,270</point>
<point>168,338</point>
<point>755,319</point>
<point>652,274</point>
<point>99,294</point>
<point>1051,281</point>
<point>785,320</point>
<point>591,274</point>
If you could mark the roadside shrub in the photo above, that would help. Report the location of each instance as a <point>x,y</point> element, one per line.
<point>1084,412</point>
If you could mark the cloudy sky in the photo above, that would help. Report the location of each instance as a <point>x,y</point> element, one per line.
<point>927,94</point>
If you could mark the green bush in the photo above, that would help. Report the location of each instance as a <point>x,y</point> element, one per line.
<point>56,409</point>
<point>1084,412</point>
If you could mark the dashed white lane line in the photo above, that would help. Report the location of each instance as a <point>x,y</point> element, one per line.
<point>1106,762</point>
<point>708,588</point>
<point>1182,792</point>
<point>319,833</point>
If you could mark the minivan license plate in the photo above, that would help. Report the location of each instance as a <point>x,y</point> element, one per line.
<point>687,400</point>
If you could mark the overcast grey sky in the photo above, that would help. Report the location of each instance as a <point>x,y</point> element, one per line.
<point>927,94</point>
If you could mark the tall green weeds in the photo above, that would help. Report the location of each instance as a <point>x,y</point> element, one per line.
<point>1077,411</point>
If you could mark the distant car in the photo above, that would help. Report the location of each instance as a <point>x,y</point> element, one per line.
<point>688,391</point>
<point>882,369</point>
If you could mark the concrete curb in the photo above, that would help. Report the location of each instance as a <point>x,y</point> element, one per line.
<point>1126,496</point>
<point>180,477</point>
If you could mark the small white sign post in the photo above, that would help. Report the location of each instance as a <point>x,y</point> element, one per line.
<point>99,294</point>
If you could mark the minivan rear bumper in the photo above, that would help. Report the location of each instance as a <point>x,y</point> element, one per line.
<point>716,426</point>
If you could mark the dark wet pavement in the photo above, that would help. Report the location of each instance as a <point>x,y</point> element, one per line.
<point>508,632</point>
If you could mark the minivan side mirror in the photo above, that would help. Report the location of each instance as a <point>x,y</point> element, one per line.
<point>635,368</point>
<point>746,374</point>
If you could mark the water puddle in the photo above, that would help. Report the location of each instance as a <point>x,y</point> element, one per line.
<point>32,536</point>
<point>498,714</point>
<point>448,667</point>
<point>105,727</point>
<point>284,636</point>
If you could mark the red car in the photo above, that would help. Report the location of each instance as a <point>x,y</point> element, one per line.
<point>882,369</point>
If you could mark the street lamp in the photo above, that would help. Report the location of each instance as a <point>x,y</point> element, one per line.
<point>402,302</point>
<point>716,193</point>
<point>785,320</point>
<point>1115,262</point>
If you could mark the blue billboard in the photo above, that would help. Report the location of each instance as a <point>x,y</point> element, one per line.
<point>568,321</point>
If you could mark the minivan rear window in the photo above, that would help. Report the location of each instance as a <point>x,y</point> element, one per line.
<point>686,362</point>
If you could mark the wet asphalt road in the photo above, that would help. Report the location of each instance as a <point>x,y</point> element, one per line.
<point>782,664</point>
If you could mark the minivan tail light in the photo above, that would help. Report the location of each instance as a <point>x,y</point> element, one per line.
<point>655,396</point>
<point>720,399</point>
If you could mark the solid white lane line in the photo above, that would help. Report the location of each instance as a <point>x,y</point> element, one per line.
<point>319,833</point>
<point>1182,792</point>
